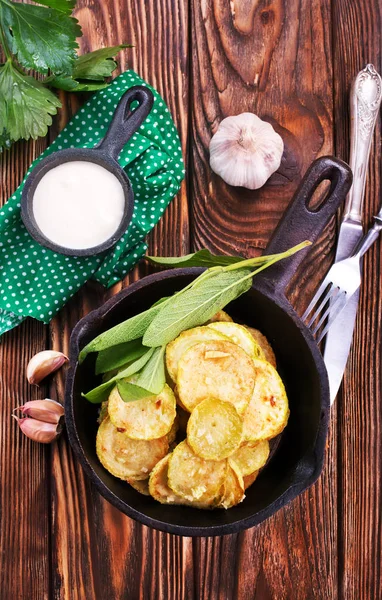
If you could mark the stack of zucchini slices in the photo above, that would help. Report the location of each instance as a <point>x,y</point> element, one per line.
<point>202,441</point>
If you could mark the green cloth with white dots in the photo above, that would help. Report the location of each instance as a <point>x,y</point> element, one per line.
<point>36,282</point>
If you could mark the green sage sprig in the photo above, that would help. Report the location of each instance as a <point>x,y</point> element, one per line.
<point>139,342</point>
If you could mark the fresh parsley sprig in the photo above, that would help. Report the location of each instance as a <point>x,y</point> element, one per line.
<point>43,38</point>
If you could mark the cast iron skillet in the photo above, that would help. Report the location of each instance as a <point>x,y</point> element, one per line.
<point>298,460</point>
<point>124,124</point>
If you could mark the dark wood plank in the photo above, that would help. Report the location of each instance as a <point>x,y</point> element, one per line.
<point>273,59</point>
<point>24,489</point>
<point>97,552</point>
<point>359,404</point>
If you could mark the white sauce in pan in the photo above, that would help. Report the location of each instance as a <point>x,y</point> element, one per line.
<point>78,204</point>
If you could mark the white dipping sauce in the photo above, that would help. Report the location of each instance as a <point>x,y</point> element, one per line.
<point>78,204</point>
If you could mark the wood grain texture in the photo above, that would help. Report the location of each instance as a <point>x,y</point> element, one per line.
<point>259,57</point>
<point>291,63</point>
<point>96,551</point>
<point>24,469</point>
<point>359,401</point>
<point>273,58</point>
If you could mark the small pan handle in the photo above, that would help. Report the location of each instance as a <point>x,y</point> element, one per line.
<point>299,223</point>
<point>125,121</point>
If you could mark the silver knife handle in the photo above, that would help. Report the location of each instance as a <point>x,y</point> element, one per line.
<point>365,100</point>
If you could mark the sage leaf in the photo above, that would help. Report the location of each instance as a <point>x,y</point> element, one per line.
<point>101,392</point>
<point>135,366</point>
<point>161,300</point>
<point>196,305</point>
<point>130,392</point>
<point>117,356</point>
<point>152,377</point>
<point>202,258</point>
<point>128,330</point>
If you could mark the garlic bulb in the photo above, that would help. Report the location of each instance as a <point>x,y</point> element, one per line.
<point>245,151</point>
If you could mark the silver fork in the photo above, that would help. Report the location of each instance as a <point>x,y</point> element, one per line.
<point>340,283</point>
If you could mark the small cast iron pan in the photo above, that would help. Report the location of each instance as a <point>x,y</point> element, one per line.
<point>298,459</point>
<point>125,123</point>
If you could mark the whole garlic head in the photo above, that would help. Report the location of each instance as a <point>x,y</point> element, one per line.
<point>245,151</point>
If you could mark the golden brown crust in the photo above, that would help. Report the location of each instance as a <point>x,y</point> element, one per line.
<point>268,411</point>
<point>145,419</point>
<point>230,377</point>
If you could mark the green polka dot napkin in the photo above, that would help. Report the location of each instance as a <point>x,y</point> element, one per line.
<point>36,282</point>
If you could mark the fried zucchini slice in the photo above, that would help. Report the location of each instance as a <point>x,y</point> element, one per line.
<point>249,479</point>
<point>194,478</point>
<point>240,336</point>
<point>268,411</point>
<point>216,369</point>
<point>103,412</point>
<point>126,458</point>
<point>160,491</point>
<point>158,486</point>
<point>221,315</point>
<point>264,345</point>
<point>251,456</point>
<point>233,487</point>
<point>144,419</point>
<point>183,342</point>
<point>178,400</point>
<point>214,429</point>
<point>141,486</point>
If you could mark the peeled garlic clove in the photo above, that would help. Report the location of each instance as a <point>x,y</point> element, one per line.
<point>245,151</point>
<point>43,364</point>
<point>46,410</point>
<point>38,431</point>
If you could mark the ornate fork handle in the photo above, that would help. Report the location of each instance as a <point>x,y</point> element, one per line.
<point>365,100</point>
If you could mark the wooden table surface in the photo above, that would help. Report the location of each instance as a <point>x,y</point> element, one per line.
<point>290,61</point>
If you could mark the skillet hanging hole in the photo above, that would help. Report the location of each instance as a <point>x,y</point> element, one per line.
<point>319,195</point>
<point>131,108</point>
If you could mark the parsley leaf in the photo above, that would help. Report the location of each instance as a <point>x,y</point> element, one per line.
<point>41,38</point>
<point>98,64</point>
<point>26,105</point>
<point>89,71</point>
<point>65,6</point>
<point>68,84</point>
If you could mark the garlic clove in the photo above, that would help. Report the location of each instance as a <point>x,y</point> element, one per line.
<point>46,410</point>
<point>38,431</point>
<point>43,364</point>
<point>245,151</point>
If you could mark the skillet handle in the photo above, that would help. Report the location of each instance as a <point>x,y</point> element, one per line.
<point>299,223</point>
<point>126,121</point>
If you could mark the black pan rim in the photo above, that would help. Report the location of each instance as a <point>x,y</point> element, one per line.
<point>214,530</point>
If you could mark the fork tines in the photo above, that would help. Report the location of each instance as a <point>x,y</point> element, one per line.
<point>328,298</point>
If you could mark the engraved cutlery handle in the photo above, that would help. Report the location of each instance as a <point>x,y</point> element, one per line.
<point>368,240</point>
<point>365,100</point>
